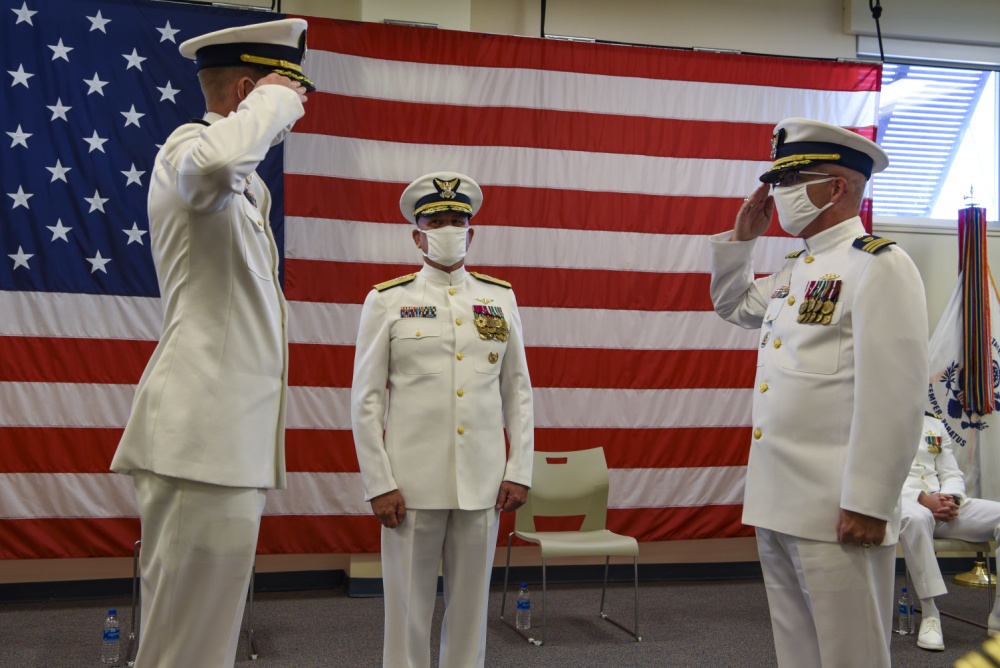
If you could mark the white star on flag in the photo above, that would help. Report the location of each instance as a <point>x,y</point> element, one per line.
<point>24,16</point>
<point>20,198</point>
<point>132,117</point>
<point>98,22</point>
<point>60,50</point>
<point>21,258</point>
<point>168,92</point>
<point>95,85</point>
<point>96,143</point>
<point>167,33</point>
<point>59,231</point>
<point>134,60</point>
<point>135,234</point>
<point>132,176</point>
<point>59,172</point>
<point>97,263</point>
<point>59,111</point>
<point>96,202</point>
<point>19,137</point>
<point>21,77</point>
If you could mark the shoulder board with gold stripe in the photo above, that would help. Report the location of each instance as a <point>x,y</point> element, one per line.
<point>489,279</point>
<point>869,243</point>
<point>402,280</point>
<point>795,254</point>
<point>932,415</point>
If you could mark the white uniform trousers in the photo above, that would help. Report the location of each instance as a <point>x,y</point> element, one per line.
<point>978,520</point>
<point>463,542</point>
<point>831,604</point>
<point>198,546</point>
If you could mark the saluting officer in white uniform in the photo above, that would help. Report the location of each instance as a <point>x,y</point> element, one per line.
<point>205,438</point>
<point>935,506</point>
<point>839,391</point>
<point>448,343</point>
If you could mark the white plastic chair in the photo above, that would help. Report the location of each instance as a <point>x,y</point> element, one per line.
<point>571,484</point>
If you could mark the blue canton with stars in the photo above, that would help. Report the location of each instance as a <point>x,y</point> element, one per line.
<point>89,91</point>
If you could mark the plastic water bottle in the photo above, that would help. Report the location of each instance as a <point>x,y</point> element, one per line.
<point>904,614</point>
<point>523,618</point>
<point>111,649</point>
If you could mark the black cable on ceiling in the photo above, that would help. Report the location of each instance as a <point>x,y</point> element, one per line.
<point>876,8</point>
<point>543,20</point>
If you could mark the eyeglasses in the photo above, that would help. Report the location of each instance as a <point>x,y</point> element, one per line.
<point>792,178</point>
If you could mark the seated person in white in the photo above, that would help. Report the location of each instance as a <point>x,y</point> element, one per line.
<point>935,506</point>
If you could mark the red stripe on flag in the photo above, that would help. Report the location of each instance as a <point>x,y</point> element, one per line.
<point>654,448</point>
<point>57,450</point>
<point>350,282</point>
<point>77,537</point>
<point>42,360</point>
<point>310,196</point>
<point>320,365</point>
<point>320,451</point>
<point>318,534</point>
<point>366,118</point>
<point>446,47</point>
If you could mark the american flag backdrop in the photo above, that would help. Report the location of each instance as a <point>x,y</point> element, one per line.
<point>604,168</point>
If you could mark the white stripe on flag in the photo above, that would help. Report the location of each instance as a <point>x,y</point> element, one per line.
<point>698,486</point>
<point>590,93</point>
<point>70,495</point>
<point>64,404</point>
<point>84,316</point>
<point>526,167</point>
<point>337,324</point>
<point>500,246</point>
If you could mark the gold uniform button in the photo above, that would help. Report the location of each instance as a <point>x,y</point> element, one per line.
<point>461,392</point>
<point>417,334</point>
<point>451,291</point>
<point>763,387</point>
<point>461,430</point>
<point>458,321</point>
<point>809,259</point>
<point>791,301</point>
<point>459,355</point>
<point>757,433</point>
<point>777,343</point>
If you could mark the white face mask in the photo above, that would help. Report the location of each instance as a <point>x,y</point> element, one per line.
<point>446,245</point>
<point>795,210</point>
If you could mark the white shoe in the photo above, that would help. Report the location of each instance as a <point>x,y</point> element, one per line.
<point>993,625</point>
<point>930,636</point>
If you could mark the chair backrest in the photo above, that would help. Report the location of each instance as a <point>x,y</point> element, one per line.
<point>565,484</point>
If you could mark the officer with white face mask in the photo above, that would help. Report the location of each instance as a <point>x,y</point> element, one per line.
<point>838,397</point>
<point>448,343</point>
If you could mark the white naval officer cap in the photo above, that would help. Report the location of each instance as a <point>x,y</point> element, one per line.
<point>440,191</point>
<point>801,142</point>
<point>277,46</point>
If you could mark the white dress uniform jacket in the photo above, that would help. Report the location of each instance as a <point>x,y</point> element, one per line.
<point>210,405</point>
<point>450,395</point>
<point>934,472</point>
<point>837,407</point>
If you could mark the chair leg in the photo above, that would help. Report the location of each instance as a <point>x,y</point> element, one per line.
<point>635,567</point>
<point>506,573</point>
<point>133,634</point>
<point>544,607</point>
<point>252,652</point>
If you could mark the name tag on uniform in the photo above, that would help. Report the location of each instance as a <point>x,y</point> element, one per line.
<point>418,312</point>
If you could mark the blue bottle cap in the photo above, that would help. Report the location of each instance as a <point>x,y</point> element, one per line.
<point>112,611</point>
<point>524,585</point>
